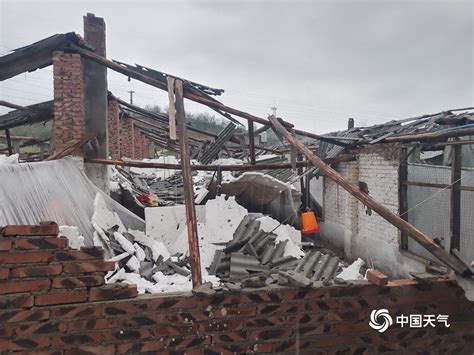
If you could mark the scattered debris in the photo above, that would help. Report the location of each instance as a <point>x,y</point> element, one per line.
<point>376,277</point>
<point>240,248</point>
<point>352,272</point>
<point>76,241</point>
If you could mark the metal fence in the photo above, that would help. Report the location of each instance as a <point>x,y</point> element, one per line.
<point>439,200</point>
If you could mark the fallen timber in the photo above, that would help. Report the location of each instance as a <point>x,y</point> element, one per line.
<point>191,219</point>
<point>432,136</point>
<point>242,167</point>
<point>188,95</point>
<point>417,235</point>
<point>159,117</point>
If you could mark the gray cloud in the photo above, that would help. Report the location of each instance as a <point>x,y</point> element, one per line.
<point>319,62</point>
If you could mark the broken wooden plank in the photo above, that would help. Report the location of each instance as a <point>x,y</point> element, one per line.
<point>191,219</point>
<point>424,240</point>
<point>251,142</point>
<point>376,140</point>
<point>158,117</point>
<point>71,148</point>
<point>36,55</point>
<point>9,141</point>
<point>455,210</point>
<point>22,115</point>
<point>443,134</point>
<point>14,106</point>
<point>376,277</point>
<point>189,95</point>
<point>243,167</point>
<point>424,276</point>
<point>171,108</point>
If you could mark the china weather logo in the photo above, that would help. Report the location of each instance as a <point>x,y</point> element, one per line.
<point>380,320</point>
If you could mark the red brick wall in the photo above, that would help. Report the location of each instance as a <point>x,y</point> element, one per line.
<point>144,147</point>
<point>147,147</point>
<point>127,138</point>
<point>52,299</point>
<point>113,122</point>
<point>138,143</point>
<point>68,127</point>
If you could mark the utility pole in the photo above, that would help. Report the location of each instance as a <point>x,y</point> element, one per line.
<point>131,96</point>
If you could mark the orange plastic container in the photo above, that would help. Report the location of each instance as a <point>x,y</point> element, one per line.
<point>310,224</point>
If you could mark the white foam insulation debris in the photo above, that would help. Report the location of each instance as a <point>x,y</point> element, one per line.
<point>235,246</point>
<point>9,159</point>
<point>76,241</point>
<point>353,271</point>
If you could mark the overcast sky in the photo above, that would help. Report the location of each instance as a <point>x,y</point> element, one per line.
<point>318,62</point>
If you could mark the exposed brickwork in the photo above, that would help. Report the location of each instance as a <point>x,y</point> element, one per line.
<point>350,226</point>
<point>52,312</point>
<point>113,122</point>
<point>138,151</point>
<point>381,176</point>
<point>147,147</point>
<point>68,127</point>
<point>142,146</point>
<point>127,138</point>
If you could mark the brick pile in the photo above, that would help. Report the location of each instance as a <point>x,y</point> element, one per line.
<point>68,127</point>
<point>113,122</point>
<point>53,301</point>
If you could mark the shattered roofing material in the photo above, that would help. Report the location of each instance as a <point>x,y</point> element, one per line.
<point>377,133</point>
<point>37,55</point>
<point>41,112</point>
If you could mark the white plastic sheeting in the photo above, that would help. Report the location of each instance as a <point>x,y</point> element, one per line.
<point>54,191</point>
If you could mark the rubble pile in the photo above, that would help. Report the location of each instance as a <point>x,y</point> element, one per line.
<point>247,249</point>
<point>148,266</point>
<point>254,254</point>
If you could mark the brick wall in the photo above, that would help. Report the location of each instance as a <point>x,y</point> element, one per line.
<point>113,122</point>
<point>147,147</point>
<point>138,141</point>
<point>347,225</point>
<point>340,208</point>
<point>68,126</point>
<point>53,301</point>
<point>127,138</point>
<point>381,176</point>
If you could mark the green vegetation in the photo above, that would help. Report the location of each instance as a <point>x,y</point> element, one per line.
<point>37,130</point>
<point>203,121</point>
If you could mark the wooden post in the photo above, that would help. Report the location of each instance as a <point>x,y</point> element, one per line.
<point>455,213</point>
<point>188,186</point>
<point>9,141</point>
<point>251,142</point>
<point>302,184</point>
<point>367,200</point>
<point>403,193</point>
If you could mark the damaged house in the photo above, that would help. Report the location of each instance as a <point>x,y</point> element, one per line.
<point>134,231</point>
